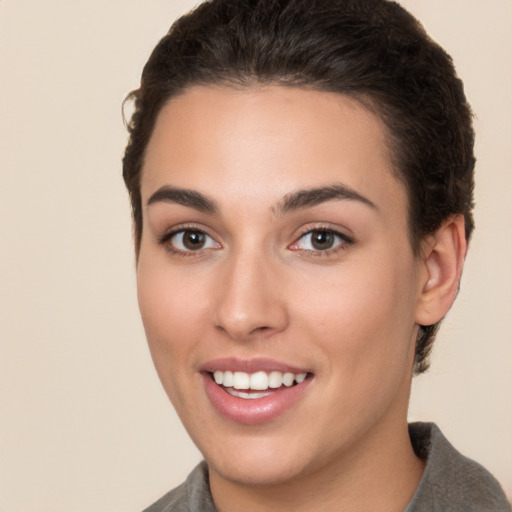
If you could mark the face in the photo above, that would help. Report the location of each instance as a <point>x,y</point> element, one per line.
<point>276,280</point>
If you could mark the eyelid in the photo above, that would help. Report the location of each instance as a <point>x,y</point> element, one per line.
<point>344,240</point>
<point>166,238</point>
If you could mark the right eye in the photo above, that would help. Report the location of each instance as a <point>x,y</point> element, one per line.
<point>190,240</point>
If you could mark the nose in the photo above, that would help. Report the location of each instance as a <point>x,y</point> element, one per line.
<point>251,299</point>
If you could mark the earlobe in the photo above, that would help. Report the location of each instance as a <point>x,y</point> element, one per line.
<point>442,257</point>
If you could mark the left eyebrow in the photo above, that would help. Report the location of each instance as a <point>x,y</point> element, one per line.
<point>312,197</point>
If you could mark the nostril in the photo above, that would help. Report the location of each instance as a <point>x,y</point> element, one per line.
<point>262,329</point>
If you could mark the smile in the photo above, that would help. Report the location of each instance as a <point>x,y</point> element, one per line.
<point>254,392</point>
<point>235,382</point>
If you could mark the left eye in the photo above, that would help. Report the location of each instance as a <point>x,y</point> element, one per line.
<point>319,240</point>
<point>192,240</point>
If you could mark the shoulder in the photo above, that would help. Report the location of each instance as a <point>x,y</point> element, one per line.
<point>192,495</point>
<point>451,482</point>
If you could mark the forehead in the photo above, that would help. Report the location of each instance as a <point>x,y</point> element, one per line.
<point>262,142</point>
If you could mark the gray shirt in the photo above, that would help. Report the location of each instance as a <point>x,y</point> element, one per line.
<point>450,482</point>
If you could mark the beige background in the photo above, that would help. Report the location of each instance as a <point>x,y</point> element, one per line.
<point>84,423</point>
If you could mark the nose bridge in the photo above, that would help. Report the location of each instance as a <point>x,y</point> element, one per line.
<point>249,301</point>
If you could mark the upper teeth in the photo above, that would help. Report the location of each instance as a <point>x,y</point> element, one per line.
<point>257,381</point>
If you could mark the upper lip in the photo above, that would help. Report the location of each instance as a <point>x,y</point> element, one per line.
<point>252,365</point>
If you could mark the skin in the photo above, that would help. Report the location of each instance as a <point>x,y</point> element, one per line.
<point>259,288</point>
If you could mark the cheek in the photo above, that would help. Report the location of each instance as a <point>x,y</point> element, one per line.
<point>169,311</point>
<point>173,318</point>
<point>362,318</point>
<point>363,336</point>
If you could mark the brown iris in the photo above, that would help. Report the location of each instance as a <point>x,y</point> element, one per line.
<point>322,240</point>
<point>194,240</point>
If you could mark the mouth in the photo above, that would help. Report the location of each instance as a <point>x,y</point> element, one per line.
<point>251,386</point>
<point>254,392</point>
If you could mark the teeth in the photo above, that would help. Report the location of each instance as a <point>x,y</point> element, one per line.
<point>228,379</point>
<point>275,380</point>
<point>244,394</point>
<point>288,379</point>
<point>301,377</point>
<point>241,380</point>
<point>259,381</point>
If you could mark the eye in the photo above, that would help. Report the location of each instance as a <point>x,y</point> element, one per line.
<point>320,240</point>
<point>190,240</point>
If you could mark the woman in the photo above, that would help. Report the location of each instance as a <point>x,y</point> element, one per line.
<point>301,177</point>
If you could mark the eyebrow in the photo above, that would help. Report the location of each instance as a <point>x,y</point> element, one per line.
<point>312,197</point>
<point>185,197</point>
<point>294,201</point>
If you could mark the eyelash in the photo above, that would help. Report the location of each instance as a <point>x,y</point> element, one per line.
<point>342,242</point>
<point>166,239</point>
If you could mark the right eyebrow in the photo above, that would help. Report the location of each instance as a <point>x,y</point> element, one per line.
<point>184,197</point>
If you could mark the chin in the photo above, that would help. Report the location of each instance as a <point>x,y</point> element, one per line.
<point>260,459</point>
<point>257,471</point>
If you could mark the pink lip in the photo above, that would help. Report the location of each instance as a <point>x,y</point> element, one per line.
<point>233,364</point>
<point>252,411</point>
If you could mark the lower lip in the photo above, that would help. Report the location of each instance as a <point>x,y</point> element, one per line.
<point>257,410</point>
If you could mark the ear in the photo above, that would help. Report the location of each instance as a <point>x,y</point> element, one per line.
<point>442,259</point>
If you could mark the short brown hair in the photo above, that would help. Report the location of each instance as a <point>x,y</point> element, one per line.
<point>372,50</point>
